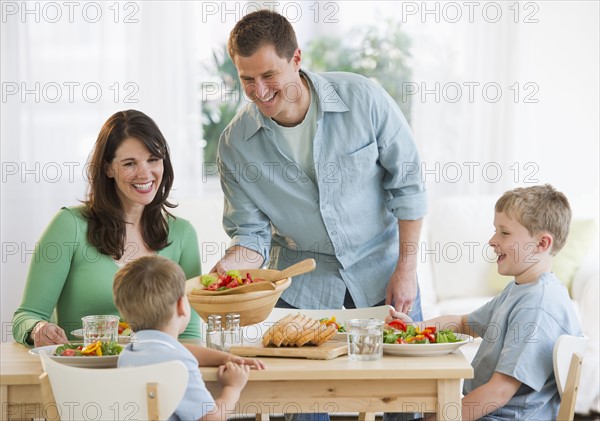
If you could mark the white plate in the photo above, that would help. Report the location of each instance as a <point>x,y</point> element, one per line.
<point>109,361</point>
<point>123,339</point>
<point>426,350</point>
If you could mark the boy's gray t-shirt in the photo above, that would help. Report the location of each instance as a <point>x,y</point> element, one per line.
<point>519,328</point>
<point>153,347</point>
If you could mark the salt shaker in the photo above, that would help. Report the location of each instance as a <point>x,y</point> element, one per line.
<point>214,332</point>
<point>232,334</point>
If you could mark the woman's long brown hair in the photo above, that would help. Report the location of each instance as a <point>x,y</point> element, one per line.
<point>103,209</point>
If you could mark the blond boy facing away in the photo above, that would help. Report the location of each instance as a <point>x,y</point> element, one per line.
<point>514,376</point>
<point>150,294</point>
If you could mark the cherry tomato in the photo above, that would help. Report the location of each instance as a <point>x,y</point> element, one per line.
<point>232,284</point>
<point>398,325</point>
<point>429,336</point>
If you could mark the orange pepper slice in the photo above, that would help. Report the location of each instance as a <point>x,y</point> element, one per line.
<point>91,348</point>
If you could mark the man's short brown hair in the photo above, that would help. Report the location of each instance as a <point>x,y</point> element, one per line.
<point>146,290</point>
<point>539,209</point>
<point>257,29</point>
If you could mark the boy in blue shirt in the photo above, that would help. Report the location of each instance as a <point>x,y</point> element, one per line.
<point>514,376</point>
<point>150,294</point>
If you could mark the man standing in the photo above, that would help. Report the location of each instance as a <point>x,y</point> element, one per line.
<point>319,166</point>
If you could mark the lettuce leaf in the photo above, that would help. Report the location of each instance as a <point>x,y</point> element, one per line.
<point>206,280</point>
<point>445,336</point>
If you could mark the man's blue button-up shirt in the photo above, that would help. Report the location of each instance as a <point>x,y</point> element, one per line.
<point>368,175</point>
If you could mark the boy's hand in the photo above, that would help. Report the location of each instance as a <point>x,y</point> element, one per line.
<point>233,375</point>
<point>251,362</point>
<point>398,315</point>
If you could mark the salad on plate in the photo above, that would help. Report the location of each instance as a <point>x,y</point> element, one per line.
<point>398,332</point>
<point>96,349</point>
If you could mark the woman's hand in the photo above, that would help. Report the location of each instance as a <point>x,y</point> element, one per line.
<point>46,333</point>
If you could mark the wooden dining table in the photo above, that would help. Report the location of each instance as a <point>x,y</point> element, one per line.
<point>290,385</point>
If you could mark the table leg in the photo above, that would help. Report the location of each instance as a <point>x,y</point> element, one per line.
<point>366,416</point>
<point>4,403</point>
<point>262,417</point>
<point>449,400</point>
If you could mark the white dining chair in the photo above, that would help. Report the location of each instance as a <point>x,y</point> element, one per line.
<point>567,357</point>
<point>150,392</point>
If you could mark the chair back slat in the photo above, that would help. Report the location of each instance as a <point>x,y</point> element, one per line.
<point>566,411</point>
<point>567,357</point>
<point>152,398</point>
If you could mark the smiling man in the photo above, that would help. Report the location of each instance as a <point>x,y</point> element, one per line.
<point>321,166</point>
<point>317,166</point>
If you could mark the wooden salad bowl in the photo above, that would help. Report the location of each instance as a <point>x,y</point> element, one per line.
<point>253,306</point>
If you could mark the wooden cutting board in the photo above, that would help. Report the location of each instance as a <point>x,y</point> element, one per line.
<point>326,351</point>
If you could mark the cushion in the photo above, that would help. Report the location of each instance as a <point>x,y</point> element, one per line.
<point>566,262</point>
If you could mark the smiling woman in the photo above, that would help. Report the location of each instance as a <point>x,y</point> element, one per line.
<point>137,173</point>
<point>124,217</point>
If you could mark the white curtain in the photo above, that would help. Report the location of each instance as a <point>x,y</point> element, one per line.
<point>462,114</point>
<point>61,79</point>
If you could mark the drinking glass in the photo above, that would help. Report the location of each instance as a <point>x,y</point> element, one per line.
<point>365,339</point>
<point>103,328</point>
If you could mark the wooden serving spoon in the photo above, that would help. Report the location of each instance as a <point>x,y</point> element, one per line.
<point>299,268</point>
<point>267,282</point>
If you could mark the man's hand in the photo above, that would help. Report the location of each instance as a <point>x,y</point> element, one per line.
<point>238,257</point>
<point>402,291</point>
<point>46,333</point>
<point>402,286</point>
<point>219,268</point>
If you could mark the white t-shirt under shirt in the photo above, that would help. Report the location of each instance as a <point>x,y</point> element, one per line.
<point>297,142</point>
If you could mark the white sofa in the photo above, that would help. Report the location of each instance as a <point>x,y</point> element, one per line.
<point>456,269</point>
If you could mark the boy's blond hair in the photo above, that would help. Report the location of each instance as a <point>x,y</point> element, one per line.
<point>146,290</point>
<point>539,209</point>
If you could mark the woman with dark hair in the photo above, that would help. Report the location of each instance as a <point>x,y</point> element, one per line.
<point>124,217</point>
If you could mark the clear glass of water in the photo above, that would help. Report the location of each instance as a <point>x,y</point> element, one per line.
<point>103,328</point>
<point>365,339</point>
